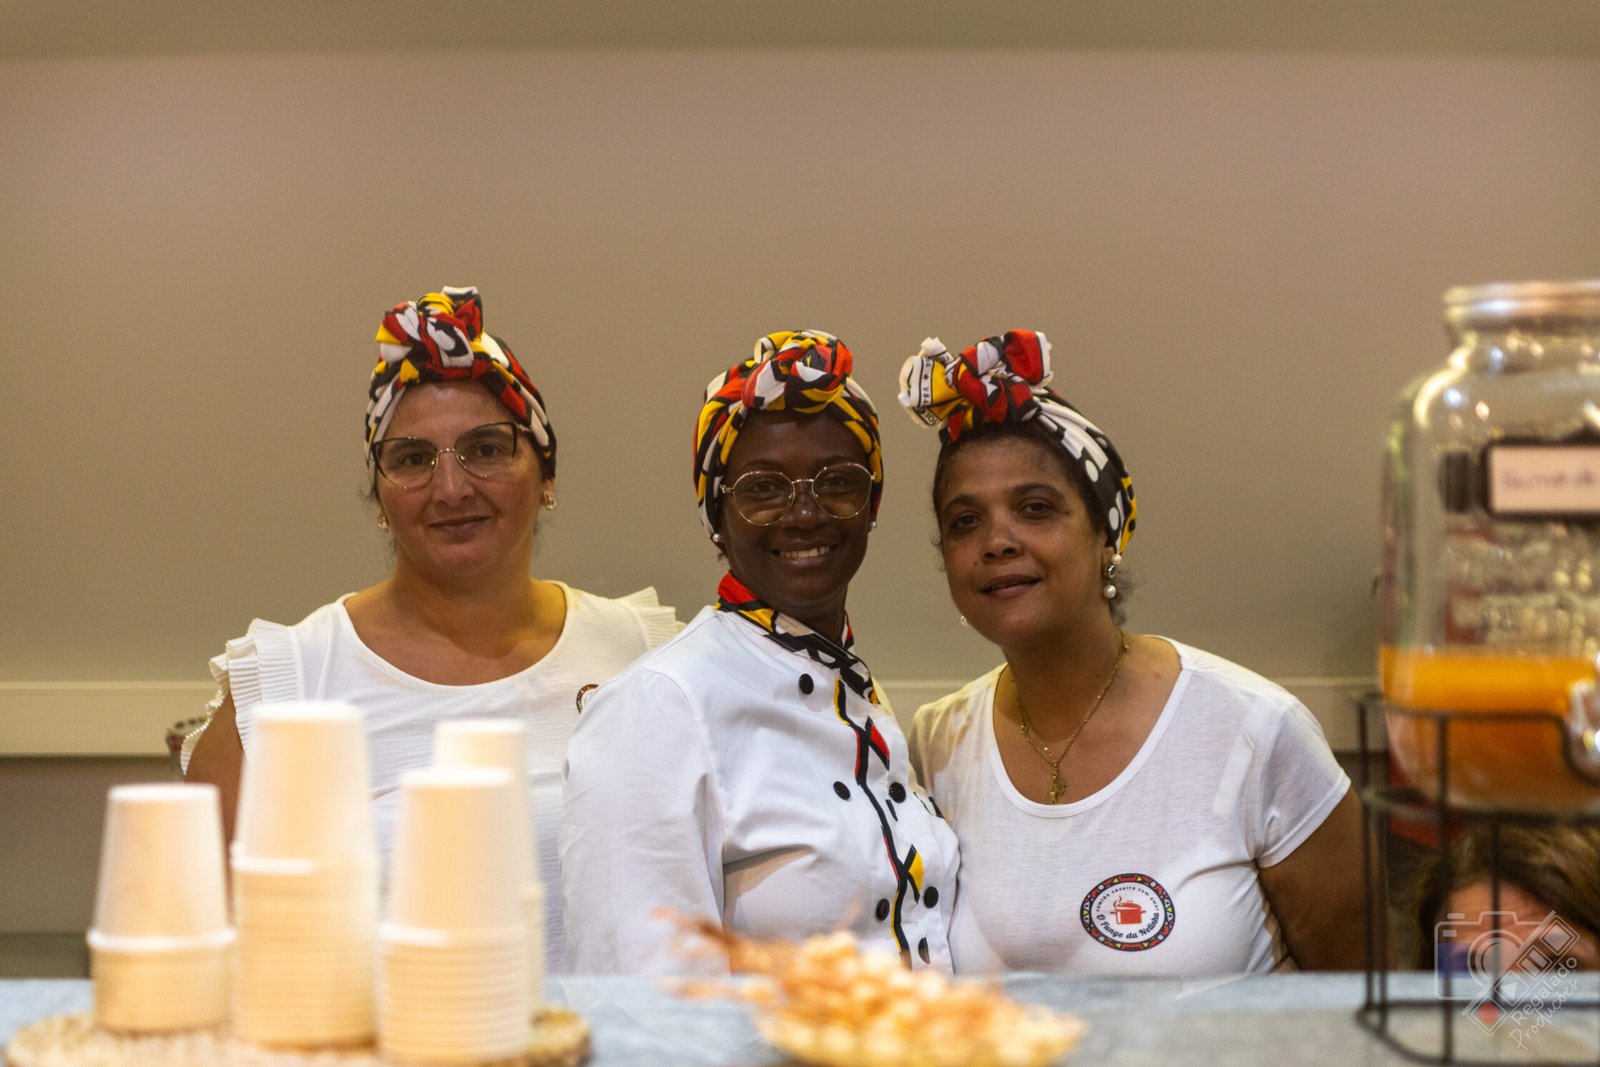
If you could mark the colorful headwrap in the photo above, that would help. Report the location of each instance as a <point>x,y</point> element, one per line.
<point>1003,379</point>
<point>804,371</point>
<point>439,338</point>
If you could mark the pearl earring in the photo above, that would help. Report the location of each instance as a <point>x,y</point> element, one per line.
<point>548,500</point>
<point>383,521</point>
<point>716,539</point>
<point>1110,591</point>
<point>965,623</point>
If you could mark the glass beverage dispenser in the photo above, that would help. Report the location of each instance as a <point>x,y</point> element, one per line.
<point>1490,590</point>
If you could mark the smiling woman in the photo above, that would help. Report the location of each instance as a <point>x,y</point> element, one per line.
<point>1126,804</point>
<point>461,458</point>
<point>797,548</point>
<point>768,788</point>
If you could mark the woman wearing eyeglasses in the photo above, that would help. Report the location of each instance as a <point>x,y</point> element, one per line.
<point>461,457</point>
<point>747,772</point>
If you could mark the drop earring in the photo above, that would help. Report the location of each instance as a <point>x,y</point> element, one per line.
<point>383,521</point>
<point>1110,591</point>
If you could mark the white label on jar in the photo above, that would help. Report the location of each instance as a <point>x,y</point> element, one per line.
<point>1543,480</point>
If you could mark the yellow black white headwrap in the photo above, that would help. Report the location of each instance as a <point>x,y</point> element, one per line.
<point>438,338</point>
<point>801,371</point>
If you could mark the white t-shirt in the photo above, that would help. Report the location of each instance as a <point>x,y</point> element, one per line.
<point>322,658</point>
<point>1156,874</point>
<point>727,778</point>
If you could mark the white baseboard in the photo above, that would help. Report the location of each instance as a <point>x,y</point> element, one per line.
<point>1328,698</point>
<point>111,718</point>
<point>108,718</point>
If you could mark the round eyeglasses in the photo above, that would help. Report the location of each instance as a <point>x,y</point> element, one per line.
<point>763,498</point>
<point>486,451</point>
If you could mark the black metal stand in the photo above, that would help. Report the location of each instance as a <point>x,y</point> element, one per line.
<point>1458,1000</point>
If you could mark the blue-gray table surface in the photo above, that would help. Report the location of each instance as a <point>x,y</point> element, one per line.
<point>1265,1019</point>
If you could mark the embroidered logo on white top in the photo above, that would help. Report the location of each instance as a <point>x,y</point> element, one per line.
<point>1128,912</point>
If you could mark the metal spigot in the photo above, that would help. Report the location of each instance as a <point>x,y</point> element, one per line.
<point>1583,722</point>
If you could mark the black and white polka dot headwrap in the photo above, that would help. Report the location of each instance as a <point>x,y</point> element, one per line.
<point>1004,379</point>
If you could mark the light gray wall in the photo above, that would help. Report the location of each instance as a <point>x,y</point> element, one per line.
<point>1238,258</point>
<point>51,814</point>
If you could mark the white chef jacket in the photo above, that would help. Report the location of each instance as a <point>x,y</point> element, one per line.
<point>725,777</point>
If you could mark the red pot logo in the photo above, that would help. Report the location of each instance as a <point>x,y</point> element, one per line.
<point>1128,913</point>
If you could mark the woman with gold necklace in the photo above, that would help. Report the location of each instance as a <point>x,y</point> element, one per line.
<point>1125,804</point>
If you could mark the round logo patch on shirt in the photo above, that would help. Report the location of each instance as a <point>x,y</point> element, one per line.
<point>1128,912</point>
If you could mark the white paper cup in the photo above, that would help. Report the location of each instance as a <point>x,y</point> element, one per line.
<point>305,793</point>
<point>503,743</point>
<point>161,863</point>
<point>303,898</point>
<point>454,1003</point>
<point>455,862</point>
<point>480,743</point>
<point>305,960</point>
<point>281,1014</point>
<point>161,911</point>
<point>143,991</point>
<point>305,885</point>
<point>500,743</point>
<point>286,1024</point>
<point>453,955</point>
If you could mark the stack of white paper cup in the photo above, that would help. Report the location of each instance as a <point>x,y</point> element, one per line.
<point>502,744</point>
<point>453,953</point>
<point>160,944</point>
<point>305,885</point>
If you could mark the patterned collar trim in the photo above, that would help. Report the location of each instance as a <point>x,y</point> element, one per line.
<point>735,597</point>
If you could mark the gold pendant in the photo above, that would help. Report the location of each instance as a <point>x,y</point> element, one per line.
<point>1057,786</point>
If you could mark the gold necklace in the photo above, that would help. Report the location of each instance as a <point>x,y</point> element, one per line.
<point>1057,784</point>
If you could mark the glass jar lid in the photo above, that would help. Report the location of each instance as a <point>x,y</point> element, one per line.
<point>1468,307</point>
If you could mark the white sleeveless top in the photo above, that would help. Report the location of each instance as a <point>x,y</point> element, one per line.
<point>322,658</point>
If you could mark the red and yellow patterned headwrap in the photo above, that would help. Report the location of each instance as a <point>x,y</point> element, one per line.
<point>1004,379</point>
<point>804,371</point>
<point>439,338</point>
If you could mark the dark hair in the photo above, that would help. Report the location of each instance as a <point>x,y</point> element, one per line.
<point>1033,432</point>
<point>1557,865</point>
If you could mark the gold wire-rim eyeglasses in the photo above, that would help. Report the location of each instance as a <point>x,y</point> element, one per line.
<point>505,434</point>
<point>842,504</point>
